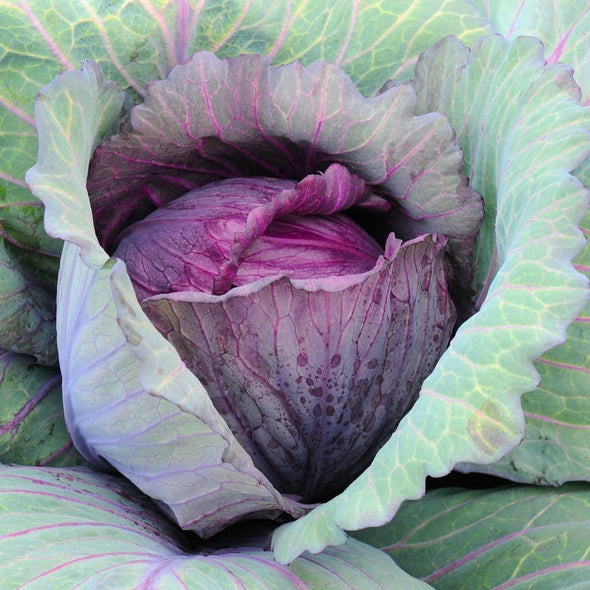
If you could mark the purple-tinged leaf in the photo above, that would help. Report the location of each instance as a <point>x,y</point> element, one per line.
<point>313,375</point>
<point>206,239</point>
<point>32,427</point>
<point>131,402</point>
<point>214,119</point>
<point>72,528</point>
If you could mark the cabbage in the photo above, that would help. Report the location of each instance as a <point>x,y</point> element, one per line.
<point>181,381</point>
<point>294,373</point>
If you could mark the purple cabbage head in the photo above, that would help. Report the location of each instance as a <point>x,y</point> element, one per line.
<point>305,249</point>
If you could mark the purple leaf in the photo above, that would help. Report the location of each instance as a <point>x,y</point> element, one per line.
<point>201,240</point>
<point>313,375</point>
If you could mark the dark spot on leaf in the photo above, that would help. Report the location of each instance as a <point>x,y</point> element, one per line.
<point>302,360</point>
<point>372,364</point>
<point>335,361</point>
<point>131,334</point>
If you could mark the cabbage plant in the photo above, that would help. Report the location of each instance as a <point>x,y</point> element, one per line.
<point>267,271</point>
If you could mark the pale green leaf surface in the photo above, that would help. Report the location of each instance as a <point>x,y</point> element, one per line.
<point>557,437</point>
<point>32,428</point>
<point>72,528</point>
<point>74,114</point>
<point>556,446</point>
<point>563,26</point>
<point>583,173</point>
<point>519,156</point>
<point>375,40</point>
<point>123,381</point>
<point>517,537</point>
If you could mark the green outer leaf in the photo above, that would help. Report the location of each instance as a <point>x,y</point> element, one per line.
<point>27,311</point>
<point>517,537</point>
<point>543,132</point>
<point>135,43</point>
<point>556,442</point>
<point>32,428</point>
<point>66,528</point>
<point>73,116</point>
<point>557,437</point>
<point>563,27</point>
<point>583,173</point>
<point>556,446</point>
<point>374,40</point>
<point>469,406</point>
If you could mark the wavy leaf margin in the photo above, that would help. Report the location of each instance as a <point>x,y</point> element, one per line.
<point>469,409</point>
